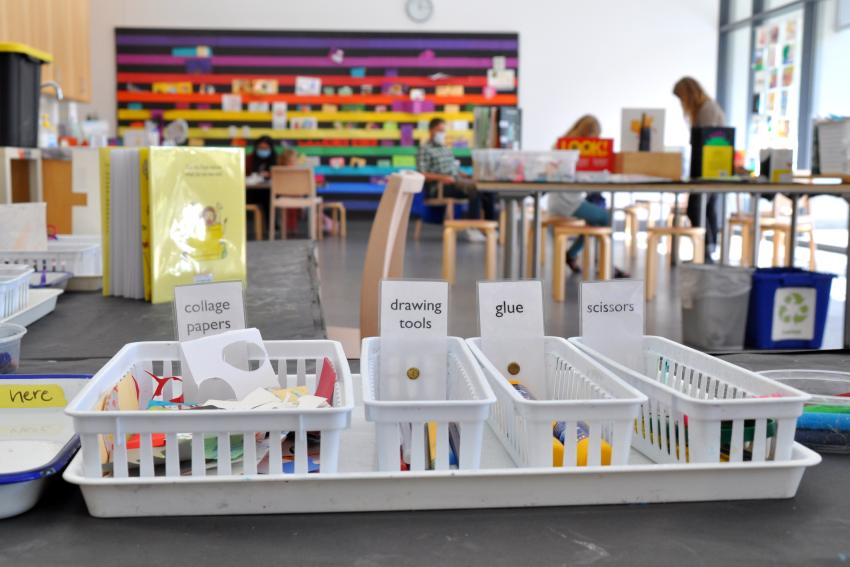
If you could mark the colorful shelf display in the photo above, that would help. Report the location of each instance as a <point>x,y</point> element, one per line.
<point>361,97</point>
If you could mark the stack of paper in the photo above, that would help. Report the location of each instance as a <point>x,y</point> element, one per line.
<point>123,262</point>
<point>171,216</point>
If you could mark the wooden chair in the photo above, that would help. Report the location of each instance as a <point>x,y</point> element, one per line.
<point>450,228</point>
<point>778,222</point>
<point>448,203</point>
<point>655,234</point>
<point>632,225</point>
<point>384,257</point>
<point>602,236</point>
<point>338,214</point>
<point>546,224</point>
<point>294,187</point>
<point>257,212</point>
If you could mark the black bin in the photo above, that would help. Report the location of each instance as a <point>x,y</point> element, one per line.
<point>20,80</point>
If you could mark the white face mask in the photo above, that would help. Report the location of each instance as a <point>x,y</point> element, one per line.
<point>440,138</point>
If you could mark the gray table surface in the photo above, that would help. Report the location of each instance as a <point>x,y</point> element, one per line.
<point>282,301</point>
<point>811,529</point>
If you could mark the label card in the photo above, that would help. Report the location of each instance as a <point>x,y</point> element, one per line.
<point>32,396</point>
<point>414,327</point>
<point>794,314</point>
<point>207,309</point>
<point>510,318</point>
<point>612,319</point>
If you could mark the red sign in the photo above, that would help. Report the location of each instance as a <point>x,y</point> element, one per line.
<point>596,154</point>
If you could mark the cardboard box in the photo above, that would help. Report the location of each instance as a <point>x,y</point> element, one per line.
<point>658,164</point>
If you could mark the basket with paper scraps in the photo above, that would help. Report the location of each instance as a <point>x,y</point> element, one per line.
<point>224,405</point>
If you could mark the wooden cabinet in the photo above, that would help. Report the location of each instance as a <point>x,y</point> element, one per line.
<point>59,27</point>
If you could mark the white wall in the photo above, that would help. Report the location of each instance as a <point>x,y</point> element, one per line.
<point>832,50</point>
<point>576,56</point>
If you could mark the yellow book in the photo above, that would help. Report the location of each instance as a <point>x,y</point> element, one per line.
<point>144,195</point>
<point>104,214</point>
<point>716,161</point>
<point>197,212</point>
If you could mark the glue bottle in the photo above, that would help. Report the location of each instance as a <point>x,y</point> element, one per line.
<point>558,436</point>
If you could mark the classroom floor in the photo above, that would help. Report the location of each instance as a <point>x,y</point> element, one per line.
<point>341,262</point>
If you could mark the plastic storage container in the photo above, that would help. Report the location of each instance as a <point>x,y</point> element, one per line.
<point>295,363</point>
<point>81,257</point>
<point>42,444</point>
<point>10,346</point>
<point>714,305</point>
<point>20,83</point>
<point>702,409</point>
<point>788,308</point>
<point>14,289</point>
<point>467,407</point>
<point>578,391</point>
<point>825,423</point>
<point>518,166</point>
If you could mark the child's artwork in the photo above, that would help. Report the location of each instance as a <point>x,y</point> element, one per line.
<point>783,102</point>
<point>771,56</point>
<point>758,63</point>
<point>774,78</point>
<point>630,128</point>
<point>761,37</point>
<point>771,101</point>
<point>783,127</point>
<point>787,54</point>
<point>791,30</point>
<point>760,81</point>
<point>242,86</point>
<point>308,86</point>
<point>788,76</point>
<point>774,34</point>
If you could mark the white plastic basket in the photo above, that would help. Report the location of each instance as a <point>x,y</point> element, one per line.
<point>81,257</point>
<point>516,165</point>
<point>703,409</point>
<point>578,389</point>
<point>468,405</point>
<point>14,289</point>
<point>295,363</point>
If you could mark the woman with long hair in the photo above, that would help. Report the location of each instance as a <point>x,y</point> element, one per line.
<point>701,111</point>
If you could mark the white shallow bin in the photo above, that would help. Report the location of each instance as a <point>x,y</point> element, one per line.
<point>468,405</point>
<point>295,363</point>
<point>715,410</point>
<point>14,289</point>
<point>578,390</point>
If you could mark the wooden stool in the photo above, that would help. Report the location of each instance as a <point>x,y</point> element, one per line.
<point>258,220</point>
<point>450,228</point>
<point>545,225</point>
<point>602,235</point>
<point>696,235</point>
<point>782,239</point>
<point>338,215</point>
<point>633,223</point>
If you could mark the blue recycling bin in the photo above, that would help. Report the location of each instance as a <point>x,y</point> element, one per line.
<point>787,309</point>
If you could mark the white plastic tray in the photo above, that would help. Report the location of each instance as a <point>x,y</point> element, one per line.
<point>34,444</point>
<point>498,484</point>
<point>41,302</point>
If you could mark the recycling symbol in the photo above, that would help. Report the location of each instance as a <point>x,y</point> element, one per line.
<point>793,308</point>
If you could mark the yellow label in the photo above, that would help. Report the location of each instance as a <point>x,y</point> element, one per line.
<point>32,396</point>
<point>717,161</point>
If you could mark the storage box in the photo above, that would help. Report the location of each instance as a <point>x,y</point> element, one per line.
<point>295,364</point>
<point>525,166</point>
<point>705,410</point>
<point>400,425</point>
<point>14,288</point>
<point>20,78</point>
<point>657,164</point>
<point>580,394</point>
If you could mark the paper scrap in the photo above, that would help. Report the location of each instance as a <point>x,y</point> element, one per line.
<point>231,102</point>
<point>308,86</point>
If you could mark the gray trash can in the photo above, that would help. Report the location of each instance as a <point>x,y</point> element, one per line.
<point>714,305</point>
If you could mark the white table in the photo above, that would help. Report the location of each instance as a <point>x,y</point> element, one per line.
<point>513,192</point>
